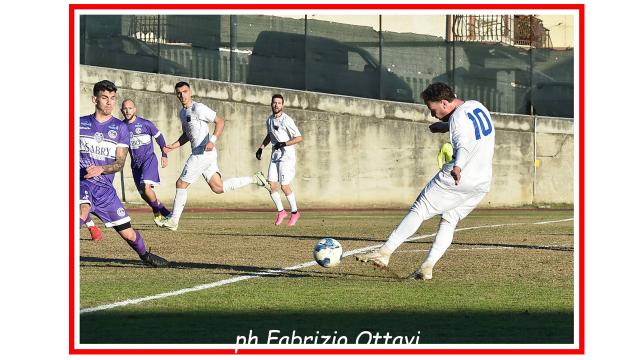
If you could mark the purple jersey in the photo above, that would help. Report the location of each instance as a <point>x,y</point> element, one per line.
<point>98,143</point>
<point>141,146</point>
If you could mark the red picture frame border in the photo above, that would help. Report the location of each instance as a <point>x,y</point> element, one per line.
<point>580,8</point>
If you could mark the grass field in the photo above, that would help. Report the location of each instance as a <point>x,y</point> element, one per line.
<point>495,285</point>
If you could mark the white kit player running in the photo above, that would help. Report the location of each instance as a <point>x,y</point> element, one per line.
<point>458,187</point>
<point>283,135</point>
<point>195,118</point>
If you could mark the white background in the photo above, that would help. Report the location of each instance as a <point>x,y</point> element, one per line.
<point>34,240</point>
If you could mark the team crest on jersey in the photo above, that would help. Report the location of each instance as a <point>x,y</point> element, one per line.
<point>98,137</point>
<point>188,118</point>
<point>120,212</point>
<point>113,134</point>
<point>138,130</point>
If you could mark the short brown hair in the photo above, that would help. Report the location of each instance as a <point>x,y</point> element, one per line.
<point>277,96</point>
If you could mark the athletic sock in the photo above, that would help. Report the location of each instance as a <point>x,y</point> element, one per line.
<point>178,204</point>
<point>154,206</point>
<point>138,244</point>
<point>236,183</point>
<point>444,238</point>
<point>292,202</point>
<point>275,196</point>
<point>407,227</point>
<point>89,221</point>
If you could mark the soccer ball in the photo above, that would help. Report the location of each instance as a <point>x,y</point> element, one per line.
<point>328,252</point>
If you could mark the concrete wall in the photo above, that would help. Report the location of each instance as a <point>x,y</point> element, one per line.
<point>356,152</point>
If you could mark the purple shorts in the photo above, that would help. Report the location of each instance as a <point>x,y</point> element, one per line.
<point>146,172</point>
<point>104,202</point>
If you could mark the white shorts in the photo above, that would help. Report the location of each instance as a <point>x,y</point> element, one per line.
<point>451,204</point>
<point>205,164</point>
<point>282,171</point>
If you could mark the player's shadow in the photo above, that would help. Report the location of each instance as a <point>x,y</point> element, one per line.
<point>234,270</point>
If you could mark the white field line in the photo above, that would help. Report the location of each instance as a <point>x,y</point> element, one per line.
<point>275,272</point>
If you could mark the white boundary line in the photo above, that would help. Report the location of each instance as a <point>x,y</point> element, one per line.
<point>278,271</point>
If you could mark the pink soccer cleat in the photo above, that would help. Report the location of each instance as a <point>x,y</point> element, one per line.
<point>294,219</point>
<point>280,217</point>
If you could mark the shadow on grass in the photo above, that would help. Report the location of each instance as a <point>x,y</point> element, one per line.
<point>236,270</point>
<point>460,327</point>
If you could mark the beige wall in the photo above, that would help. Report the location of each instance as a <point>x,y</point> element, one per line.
<point>356,152</point>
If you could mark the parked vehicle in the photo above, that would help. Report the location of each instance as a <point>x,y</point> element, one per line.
<point>321,64</point>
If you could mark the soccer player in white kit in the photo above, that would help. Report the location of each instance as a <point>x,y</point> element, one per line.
<point>283,134</point>
<point>195,118</point>
<point>458,187</point>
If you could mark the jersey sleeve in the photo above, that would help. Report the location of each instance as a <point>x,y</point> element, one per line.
<point>206,114</point>
<point>124,139</point>
<point>153,130</point>
<point>292,129</point>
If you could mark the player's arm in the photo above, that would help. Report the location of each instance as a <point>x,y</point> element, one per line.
<point>265,142</point>
<point>293,132</point>
<point>183,139</point>
<point>114,167</point>
<point>217,131</point>
<point>439,127</point>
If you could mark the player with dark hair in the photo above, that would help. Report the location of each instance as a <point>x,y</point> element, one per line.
<point>458,187</point>
<point>104,140</point>
<point>283,134</point>
<point>203,161</point>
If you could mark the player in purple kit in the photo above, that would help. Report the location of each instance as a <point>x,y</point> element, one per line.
<point>144,164</point>
<point>104,140</point>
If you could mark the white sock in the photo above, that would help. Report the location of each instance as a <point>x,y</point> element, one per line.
<point>409,225</point>
<point>178,204</point>
<point>275,196</point>
<point>236,183</point>
<point>90,223</point>
<point>441,243</point>
<point>292,202</point>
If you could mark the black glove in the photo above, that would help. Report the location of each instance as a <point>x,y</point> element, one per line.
<point>259,154</point>
<point>279,145</point>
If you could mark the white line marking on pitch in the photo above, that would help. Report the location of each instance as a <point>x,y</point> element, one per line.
<point>276,271</point>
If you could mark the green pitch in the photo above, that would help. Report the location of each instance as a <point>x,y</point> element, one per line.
<point>495,285</point>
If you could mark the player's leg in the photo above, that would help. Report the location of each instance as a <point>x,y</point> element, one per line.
<point>85,216</point>
<point>135,240</point>
<point>108,207</point>
<point>444,236</point>
<point>417,214</point>
<point>189,174</point>
<point>146,177</point>
<point>273,178</point>
<point>218,186</point>
<point>287,172</point>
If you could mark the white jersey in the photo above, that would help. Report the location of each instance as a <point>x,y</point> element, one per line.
<point>472,136</point>
<point>195,124</point>
<point>282,129</point>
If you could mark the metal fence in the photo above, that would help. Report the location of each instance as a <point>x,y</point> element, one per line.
<point>505,61</point>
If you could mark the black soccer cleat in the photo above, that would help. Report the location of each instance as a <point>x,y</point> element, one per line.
<point>154,260</point>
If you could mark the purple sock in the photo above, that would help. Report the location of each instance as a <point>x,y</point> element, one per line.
<point>88,218</point>
<point>82,222</point>
<point>138,244</point>
<point>163,210</point>
<point>155,206</point>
